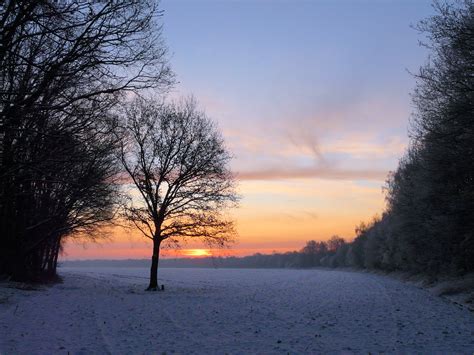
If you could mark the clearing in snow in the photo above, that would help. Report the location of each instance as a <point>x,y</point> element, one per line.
<point>105,310</point>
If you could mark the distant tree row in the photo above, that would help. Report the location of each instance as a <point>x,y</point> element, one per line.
<point>314,254</point>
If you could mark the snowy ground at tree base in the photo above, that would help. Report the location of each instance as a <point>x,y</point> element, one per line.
<point>244,311</point>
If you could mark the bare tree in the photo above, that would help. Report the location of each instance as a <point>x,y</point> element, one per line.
<point>177,160</point>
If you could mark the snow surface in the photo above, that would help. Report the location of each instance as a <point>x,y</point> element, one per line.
<point>243,311</point>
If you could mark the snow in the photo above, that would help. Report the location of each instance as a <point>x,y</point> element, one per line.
<point>243,311</point>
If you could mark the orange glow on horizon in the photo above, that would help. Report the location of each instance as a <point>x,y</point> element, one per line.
<point>195,253</point>
<point>274,216</point>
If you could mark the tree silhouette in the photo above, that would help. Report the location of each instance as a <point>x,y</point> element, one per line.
<point>176,159</point>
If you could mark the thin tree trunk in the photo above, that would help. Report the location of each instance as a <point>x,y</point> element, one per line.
<point>154,266</point>
<point>56,254</point>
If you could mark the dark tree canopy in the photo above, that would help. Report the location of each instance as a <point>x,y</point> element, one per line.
<point>64,65</point>
<point>431,196</point>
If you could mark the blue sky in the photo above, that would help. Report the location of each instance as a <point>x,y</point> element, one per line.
<point>268,70</point>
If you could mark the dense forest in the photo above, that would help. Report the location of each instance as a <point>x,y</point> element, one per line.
<point>65,67</point>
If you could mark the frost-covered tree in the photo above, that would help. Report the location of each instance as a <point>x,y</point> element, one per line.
<point>429,222</point>
<point>431,196</point>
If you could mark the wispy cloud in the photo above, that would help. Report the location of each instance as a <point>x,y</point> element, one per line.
<point>321,173</point>
<point>359,139</point>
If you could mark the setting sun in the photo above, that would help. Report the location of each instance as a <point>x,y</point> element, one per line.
<point>196,252</point>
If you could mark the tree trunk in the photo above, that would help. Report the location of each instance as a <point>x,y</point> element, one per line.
<point>154,266</point>
<point>56,254</point>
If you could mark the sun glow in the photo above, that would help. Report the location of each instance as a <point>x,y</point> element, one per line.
<point>196,252</point>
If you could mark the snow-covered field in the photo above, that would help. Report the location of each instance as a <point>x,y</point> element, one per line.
<point>230,311</point>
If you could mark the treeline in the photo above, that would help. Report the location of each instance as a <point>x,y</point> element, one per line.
<point>65,66</point>
<point>428,225</point>
<point>312,255</point>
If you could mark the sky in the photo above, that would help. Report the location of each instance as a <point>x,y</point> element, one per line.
<point>313,99</point>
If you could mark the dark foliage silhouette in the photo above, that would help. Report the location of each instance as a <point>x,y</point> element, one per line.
<point>64,66</point>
